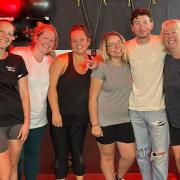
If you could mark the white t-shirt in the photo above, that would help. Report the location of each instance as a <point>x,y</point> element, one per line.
<point>38,79</point>
<point>146,62</point>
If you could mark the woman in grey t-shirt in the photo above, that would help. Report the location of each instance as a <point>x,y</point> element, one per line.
<point>108,106</point>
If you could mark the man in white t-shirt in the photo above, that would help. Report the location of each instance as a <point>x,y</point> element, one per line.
<point>146,55</point>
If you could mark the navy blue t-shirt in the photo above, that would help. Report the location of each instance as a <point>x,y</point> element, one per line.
<point>172,90</point>
<point>11,70</point>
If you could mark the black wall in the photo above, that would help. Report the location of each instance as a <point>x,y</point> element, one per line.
<point>114,16</point>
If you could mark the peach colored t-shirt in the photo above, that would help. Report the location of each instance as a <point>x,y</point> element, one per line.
<point>146,63</point>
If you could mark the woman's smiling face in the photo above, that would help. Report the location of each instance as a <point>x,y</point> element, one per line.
<point>79,41</point>
<point>6,34</point>
<point>45,42</point>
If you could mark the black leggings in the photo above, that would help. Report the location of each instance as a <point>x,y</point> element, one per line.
<point>69,139</point>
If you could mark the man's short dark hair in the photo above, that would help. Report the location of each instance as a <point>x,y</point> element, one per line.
<point>140,12</point>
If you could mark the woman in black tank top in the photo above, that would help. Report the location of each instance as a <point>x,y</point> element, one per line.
<point>68,99</point>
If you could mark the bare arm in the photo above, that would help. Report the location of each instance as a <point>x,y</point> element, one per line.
<point>24,94</point>
<point>56,70</point>
<point>95,88</point>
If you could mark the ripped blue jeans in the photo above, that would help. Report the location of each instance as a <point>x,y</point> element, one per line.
<point>152,141</point>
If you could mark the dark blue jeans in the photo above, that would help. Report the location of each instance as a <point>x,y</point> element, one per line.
<point>29,158</point>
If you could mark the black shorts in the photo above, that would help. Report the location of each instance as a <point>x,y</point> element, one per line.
<point>118,132</point>
<point>174,135</point>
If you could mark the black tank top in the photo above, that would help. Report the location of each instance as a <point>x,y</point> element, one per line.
<point>73,93</point>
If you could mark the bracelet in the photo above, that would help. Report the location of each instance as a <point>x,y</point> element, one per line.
<point>97,124</point>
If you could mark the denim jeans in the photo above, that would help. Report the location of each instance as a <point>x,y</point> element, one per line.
<point>152,141</point>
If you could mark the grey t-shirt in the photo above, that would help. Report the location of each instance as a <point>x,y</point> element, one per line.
<point>113,100</point>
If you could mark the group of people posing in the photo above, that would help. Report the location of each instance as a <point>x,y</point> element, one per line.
<point>130,96</point>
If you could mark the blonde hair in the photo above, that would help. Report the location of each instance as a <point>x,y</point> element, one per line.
<point>175,22</point>
<point>103,46</point>
<point>40,29</point>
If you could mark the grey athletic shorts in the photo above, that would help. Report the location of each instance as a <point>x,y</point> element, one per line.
<point>8,133</point>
